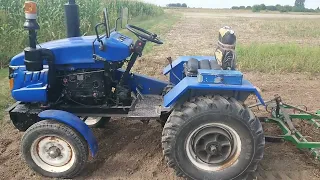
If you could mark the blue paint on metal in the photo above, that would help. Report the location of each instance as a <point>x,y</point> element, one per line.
<point>71,53</point>
<point>220,77</point>
<point>147,85</point>
<point>189,83</point>
<point>78,50</point>
<point>74,122</point>
<point>178,69</point>
<point>33,93</point>
<point>29,86</point>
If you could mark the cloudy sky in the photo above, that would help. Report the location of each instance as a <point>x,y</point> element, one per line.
<point>229,3</point>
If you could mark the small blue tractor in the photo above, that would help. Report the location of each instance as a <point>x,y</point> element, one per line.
<point>65,87</point>
<point>208,133</point>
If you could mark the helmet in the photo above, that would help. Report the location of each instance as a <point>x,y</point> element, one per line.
<point>227,36</point>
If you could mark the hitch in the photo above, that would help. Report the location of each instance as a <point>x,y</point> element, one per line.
<point>280,115</point>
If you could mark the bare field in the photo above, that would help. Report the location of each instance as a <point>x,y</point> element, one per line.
<point>246,14</point>
<point>132,150</point>
<point>261,27</point>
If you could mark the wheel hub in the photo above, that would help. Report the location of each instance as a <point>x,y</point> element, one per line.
<point>54,152</point>
<point>213,146</point>
<point>213,150</point>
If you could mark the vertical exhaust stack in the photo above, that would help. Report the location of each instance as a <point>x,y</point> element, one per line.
<point>72,19</point>
<point>32,59</point>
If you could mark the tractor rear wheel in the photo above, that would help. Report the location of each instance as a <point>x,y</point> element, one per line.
<point>213,138</point>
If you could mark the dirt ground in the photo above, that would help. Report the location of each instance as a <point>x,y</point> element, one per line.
<point>132,150</point>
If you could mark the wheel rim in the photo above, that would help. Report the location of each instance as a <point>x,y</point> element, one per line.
<point>91,121</point>
<point>52,154</point>
<point>213,147</point>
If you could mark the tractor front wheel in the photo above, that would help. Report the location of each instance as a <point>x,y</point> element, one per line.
<point>55,150</point>
<point>213,138</point>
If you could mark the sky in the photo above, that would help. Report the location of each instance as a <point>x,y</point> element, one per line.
<point>229,3</point>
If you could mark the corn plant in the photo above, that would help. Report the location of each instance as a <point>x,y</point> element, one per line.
<point>51,20</point>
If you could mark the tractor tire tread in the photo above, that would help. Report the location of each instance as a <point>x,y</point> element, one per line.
<point>70,132</point>
<point>212,103</point>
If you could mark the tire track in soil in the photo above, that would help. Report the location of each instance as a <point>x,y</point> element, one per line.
<point>132,150</point>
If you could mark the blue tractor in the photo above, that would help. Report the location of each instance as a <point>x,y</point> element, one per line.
<point>208,132</point>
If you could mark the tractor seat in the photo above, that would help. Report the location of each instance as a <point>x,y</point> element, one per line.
<point>192,66</point>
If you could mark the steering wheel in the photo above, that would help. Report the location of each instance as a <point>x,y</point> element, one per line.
<point>144,34</point>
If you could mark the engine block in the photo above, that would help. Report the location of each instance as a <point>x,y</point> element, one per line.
<point>85,87</point>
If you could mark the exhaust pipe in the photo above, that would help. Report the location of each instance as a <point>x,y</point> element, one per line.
<point>71,10</point>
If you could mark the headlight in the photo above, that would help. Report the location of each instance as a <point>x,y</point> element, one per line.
<point>11,78</point>
<point>11,82</point>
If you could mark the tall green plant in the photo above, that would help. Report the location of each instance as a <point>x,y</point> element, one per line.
<point>51,20</point>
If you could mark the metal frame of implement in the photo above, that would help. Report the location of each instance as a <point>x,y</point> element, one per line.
<point>283,119</point>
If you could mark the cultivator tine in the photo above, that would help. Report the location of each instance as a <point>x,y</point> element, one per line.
<point>286,116</point>
<point>287,119</point>
<point>314,154</point>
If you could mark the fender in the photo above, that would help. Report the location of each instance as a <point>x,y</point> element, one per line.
<point>74,122</point>
<point>191,83</point>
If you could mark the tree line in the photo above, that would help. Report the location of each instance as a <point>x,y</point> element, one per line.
<point>177,5</point>
<point>298,7</point>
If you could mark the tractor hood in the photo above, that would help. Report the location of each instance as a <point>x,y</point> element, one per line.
<point>79,50</point>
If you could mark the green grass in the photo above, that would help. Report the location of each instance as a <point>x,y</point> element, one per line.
<point>278,58</point>
<point>5,96</point>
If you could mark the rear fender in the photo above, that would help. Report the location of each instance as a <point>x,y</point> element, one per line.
<point>189,86</point>
<point>74,122</point>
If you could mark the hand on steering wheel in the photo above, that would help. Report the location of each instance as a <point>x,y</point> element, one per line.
<point>144,34</point>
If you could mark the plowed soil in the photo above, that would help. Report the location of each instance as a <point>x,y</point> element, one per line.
<point>132,150</point>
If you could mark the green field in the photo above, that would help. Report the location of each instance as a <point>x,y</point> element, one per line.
<point>51,20</point>
<point>279,58</point>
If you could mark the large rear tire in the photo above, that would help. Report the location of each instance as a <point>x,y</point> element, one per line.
<point>54,150</point>
<point>213,138</point>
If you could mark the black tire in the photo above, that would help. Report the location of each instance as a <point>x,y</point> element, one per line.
<point>50,128</point>
<point>101,123</point>
<point>207,110</point>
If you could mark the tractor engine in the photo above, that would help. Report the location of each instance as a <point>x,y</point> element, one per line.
<point>86,87</point>
<point>225,52</point>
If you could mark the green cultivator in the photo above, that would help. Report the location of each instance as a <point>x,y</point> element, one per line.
<point>283,114</point>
